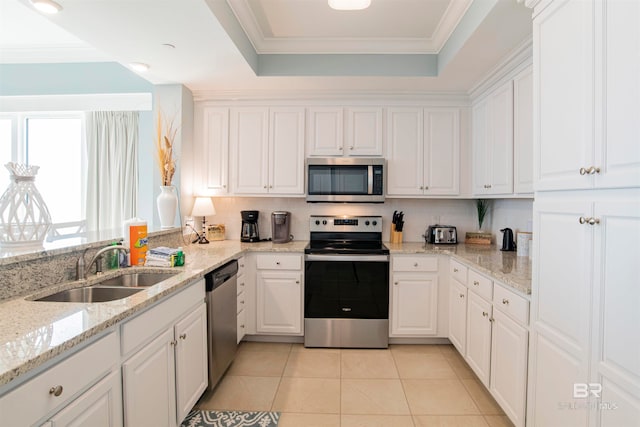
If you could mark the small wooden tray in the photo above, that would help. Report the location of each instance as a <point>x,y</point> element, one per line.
<point>475,238</point>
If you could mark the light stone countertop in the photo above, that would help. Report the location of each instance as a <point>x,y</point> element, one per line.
<point>32,332</point>
<point>506,267</point>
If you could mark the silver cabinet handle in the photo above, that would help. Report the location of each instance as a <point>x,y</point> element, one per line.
<point>56,391</point>
<point>395,283</point>
<point>505,301</point>
<point>421,187</point>
<point>591,170</point>
<point>297,282</point>
<point>415,264</point>
<point>426,187</point>
<point>590,220</point>
<point>242,302</point>
<point>277,262</point>
<point>485,314</point>
<point>455,270</point>
<point>242,326</point>
<point>351,148</point>
<point>224,186</point>
<point>476,283</point>
<point>492,320</point>
<point>183,336</point>
<point>271,186</point>
<point>242,265</point>
<point>265,186</point>
<point>174,343</point>
<point>461,295</point>
<point>340,148</point>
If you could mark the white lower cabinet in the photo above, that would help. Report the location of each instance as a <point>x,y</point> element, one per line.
<point>86,383</point>
<point>414,296</point>
<point>279,294</point>
<point>458,316</point>
<point>479,336</point>
<point>164,378</point>
<point>241,303</point>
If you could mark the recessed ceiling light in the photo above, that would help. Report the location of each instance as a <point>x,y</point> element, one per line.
<point>139,67</point>
<point>46,6</point>
<point>349,4</point>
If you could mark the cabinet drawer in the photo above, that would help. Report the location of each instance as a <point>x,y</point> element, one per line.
<point>242,284</point>
<point>480,284</point>
<point>35,399</point>
<point>242,328</point>
<point>458,271</point>
<point>511,304</point>
<point>240,302</point>
<point>279,262</point>
<point>147,325</point>
<point>415,263</point>
<point>241,266</point>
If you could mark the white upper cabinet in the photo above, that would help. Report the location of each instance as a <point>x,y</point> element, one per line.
<point>336,131</point>
<point>588,137</point>
<point>364,131</point>
<point>423,151</point>
<point>523,132</point>
<point>267,150</point>
<point>493,142</point>
<point>212,149</point>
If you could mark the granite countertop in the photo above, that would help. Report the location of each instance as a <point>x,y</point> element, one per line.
<point>506,267</point>
<point>40,331</point>
<point>34,332</point>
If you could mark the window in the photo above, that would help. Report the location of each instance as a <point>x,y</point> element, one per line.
<point>54,142</point>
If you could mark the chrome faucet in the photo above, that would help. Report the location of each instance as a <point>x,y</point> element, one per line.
<point>81,272</point>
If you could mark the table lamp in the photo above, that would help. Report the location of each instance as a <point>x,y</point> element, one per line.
<point>203,207</point>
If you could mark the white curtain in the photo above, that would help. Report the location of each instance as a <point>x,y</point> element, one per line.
<point>112,168</point>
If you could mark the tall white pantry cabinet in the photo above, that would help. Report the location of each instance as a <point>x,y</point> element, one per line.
<point>584,360</point>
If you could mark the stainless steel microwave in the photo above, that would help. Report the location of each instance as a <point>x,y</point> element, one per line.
<point>345,179</point>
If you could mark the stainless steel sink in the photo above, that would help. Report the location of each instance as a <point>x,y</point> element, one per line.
<point>129,280</point>
<point>91,294</point>
<point>110,289</point>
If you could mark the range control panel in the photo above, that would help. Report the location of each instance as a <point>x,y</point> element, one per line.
<point>352,224</point>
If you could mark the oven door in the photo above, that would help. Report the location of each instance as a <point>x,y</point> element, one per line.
<point>346,286</point>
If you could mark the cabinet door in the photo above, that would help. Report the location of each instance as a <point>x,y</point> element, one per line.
<point>325,132</point>
<point>479,336</point>
<point>249,150</point>
<point>405,158</point>
<point>480,157</point>
<point>499,173</point>
<point>279,302</point>
<point>564,99</point>
<point>149,387</point>
<point>442,151</point>
<point>286,151</point>
<point>458,315</point>
<point>364,131</point>
<point>414,305</point>
<point>618,66</point>
<point>100,406</point>
<point>405,147</point>
<point>215,149</point>
<point>523,132</point>
<point>509,366</point>
<point>616,352</point>
<point>191,360</point>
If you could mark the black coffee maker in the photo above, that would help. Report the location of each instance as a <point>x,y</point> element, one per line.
<point>249,231</point>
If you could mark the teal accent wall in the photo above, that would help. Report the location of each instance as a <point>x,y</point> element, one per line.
<point>69,79</point>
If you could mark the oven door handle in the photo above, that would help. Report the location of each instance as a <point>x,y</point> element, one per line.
<point>340,258</point>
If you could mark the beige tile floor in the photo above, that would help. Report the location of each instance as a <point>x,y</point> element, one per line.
<point>405,385</point>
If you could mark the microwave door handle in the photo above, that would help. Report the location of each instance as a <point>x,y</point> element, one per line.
<point>370,179</point>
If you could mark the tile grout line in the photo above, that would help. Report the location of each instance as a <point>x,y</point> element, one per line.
<point>280,380</point>
<point>404,392</point>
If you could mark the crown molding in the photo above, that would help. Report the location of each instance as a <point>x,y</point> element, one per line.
<point>516,60</point>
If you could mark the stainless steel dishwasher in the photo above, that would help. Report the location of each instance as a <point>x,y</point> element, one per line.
<point>221,286</point>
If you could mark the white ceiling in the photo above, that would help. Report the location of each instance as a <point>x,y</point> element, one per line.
<point>206,59</point>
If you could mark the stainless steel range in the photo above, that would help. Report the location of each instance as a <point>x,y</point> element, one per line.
<point>346,297</point>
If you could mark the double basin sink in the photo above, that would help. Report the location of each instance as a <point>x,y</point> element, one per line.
<point>109,289</point>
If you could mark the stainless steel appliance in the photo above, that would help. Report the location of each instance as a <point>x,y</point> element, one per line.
<point>347,179</point>
<point>249,231</point>
<point>346,296</point>
<point>441,234</point>
<point>222,320</point>
<point>280,227</point>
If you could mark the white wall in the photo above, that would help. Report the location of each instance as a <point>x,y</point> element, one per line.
<point>418,214</point>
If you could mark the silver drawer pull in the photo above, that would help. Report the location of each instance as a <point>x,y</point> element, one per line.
<point>347,309</point>
<point>591,170</point>
<point>485,314</point>
<point>476,283</point>
<point>505,301</point>
<point>415,265</point>
<point>297,282</point>
<point>590,220</point>
<point>174,343</point>
<point>455,270</point>
<point>183,336</point>
<point>56,391</point>
<point>277,262</point>
<point>242,302</point>
<point>461,295</point>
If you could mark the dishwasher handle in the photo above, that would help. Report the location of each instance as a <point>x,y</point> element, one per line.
<point>220,275</point>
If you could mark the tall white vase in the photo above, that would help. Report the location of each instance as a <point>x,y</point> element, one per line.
<point>167,203</point>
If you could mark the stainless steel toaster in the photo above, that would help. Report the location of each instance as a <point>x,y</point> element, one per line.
<point>441,234</point>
